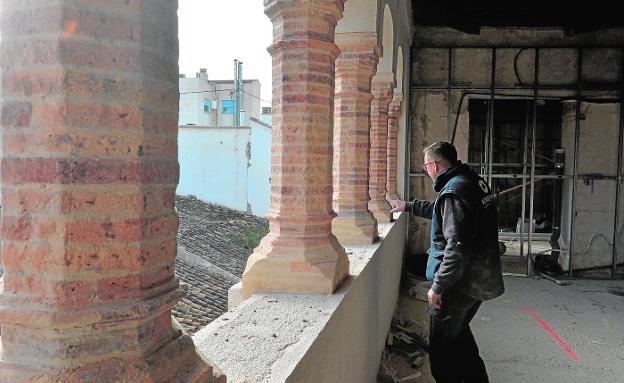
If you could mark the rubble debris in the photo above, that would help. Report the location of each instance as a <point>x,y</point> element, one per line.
<point>405,346</point>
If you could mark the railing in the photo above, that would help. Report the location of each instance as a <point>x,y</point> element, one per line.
<point>314,338</point>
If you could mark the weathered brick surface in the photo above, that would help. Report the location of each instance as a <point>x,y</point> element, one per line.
<point>355,67</point>
<point>89,170</point>
<point>382,88</point>
<point>300,253</point>
<point>394,112</point>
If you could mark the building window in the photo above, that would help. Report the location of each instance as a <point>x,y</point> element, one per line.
<point>227,106</point>
<point>207,105</point>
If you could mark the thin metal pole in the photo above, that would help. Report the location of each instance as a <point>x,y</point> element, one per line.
<point>577,128</point>
<point>448,94</point>
<point>616,219</point>
<point>524,169</point>
<point>408,137</point>
<point>490,148</point>
<point>537,177</point>
<point>236,98</point>
<point>533,150</point>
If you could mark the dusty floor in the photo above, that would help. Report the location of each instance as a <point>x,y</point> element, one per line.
<point>588,316</point>
<point>539,331</point>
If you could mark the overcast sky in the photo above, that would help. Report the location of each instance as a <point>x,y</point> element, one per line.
<point>213,33</point>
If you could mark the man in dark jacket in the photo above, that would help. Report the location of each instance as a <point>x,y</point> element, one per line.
<point>464,262</point>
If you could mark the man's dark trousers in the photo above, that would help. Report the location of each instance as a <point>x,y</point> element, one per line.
<point>454,355</point>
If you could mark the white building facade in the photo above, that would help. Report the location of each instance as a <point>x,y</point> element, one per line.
<point>211,103</point>
<point>222,163</point>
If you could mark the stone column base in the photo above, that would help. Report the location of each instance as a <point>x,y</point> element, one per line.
<point>234,296</point>
<point>313,265</point>
<point>390,196</point>
<point>357,229</point>
<point>380,210</point>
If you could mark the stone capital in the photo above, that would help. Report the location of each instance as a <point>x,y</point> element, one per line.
<point>359,42</point>
<point>306,8</point>
<point>384,80</point>
<point>394,109</point>
<point>303,44</point>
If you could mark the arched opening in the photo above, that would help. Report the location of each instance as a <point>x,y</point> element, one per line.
<point>387,43</point>
<point>359,16</point>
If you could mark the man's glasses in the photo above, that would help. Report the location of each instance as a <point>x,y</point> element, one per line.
<point>427,164</point>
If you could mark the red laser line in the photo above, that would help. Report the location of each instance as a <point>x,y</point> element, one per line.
<point>552,332</point>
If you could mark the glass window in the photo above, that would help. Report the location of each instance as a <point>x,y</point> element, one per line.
<point>227,106</point>
<point>207,105</point>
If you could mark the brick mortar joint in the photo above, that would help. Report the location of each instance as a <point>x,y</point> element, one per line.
<point>142,310</point>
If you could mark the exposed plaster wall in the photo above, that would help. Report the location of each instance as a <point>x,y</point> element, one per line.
<point>471,67</point>
<point>314,338</point>
<point>595,201</point>
<point>517,36</point>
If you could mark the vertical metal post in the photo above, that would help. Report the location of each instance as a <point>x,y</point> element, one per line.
<point>618,176</point>
<point>239,95</point>
<point>533,150</point>
<point>524,169</point>
<point>449,94</point>
<point>408,136</point>
<point>235,98</point>
<point>577,128</point>
<point>408,148</point>
<point>490,148</point>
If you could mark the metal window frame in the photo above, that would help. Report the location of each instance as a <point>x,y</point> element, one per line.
<point>579,88</point>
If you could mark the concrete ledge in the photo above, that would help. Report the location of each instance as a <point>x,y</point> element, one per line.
<point>314,338</point>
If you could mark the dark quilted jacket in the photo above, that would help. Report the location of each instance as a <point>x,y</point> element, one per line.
<point>464,234</point>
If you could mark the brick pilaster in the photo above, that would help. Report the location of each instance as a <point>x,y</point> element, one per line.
<point>382,89</point>
<point>394,113</point>
<point>355,67</point>
<point>89,171</point>
<point>300,253</point>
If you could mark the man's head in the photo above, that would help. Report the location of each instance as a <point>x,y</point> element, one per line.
<point>438,157</point>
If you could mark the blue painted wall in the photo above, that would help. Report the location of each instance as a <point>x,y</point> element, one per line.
<point>259,190</point>
<point>213,165</point>
<point>227,166</point>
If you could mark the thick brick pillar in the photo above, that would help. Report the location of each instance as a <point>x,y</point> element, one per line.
<point>394,112</point>
<point>382,88</point>
<point>89,171</point>
<point>300,253</point>
<point>355,68</point>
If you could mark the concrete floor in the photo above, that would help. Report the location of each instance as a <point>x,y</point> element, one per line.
<point>588,316</point>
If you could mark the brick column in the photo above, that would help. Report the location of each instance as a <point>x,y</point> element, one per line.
<point>382,88</point>
<point>89,171</point>
<point>300,253</point>
<point>394,112</point>
<point>355,68</point>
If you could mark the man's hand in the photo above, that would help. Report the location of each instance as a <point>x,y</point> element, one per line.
<point>435,300</point>
<point>398,206</point>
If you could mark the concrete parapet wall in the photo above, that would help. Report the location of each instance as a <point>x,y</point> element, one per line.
<point>314,338</point>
